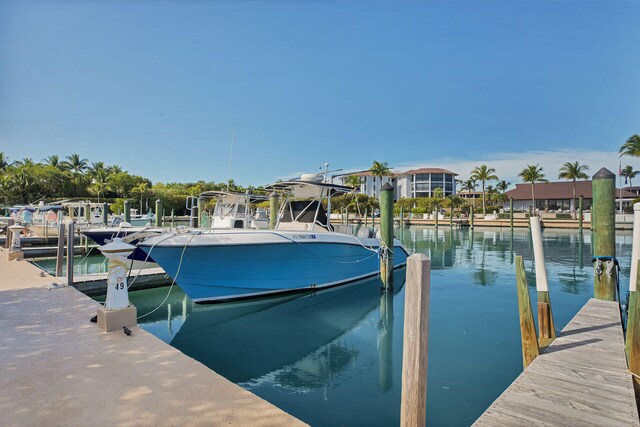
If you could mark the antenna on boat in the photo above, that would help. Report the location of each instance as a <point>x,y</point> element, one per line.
<point>233,136</point>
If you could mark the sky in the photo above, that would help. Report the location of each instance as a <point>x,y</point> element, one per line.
<point>174,90</point>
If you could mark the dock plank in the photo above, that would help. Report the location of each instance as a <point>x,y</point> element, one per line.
<point>581,379</point>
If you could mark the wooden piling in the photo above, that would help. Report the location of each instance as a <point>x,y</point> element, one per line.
<point>546,326</point>
<point>413,403</point>
<point>172,217</point>
<point>127,212</point>
<point>511,212</point>
<point>366,216</point>
<point>580,212</point>
<point>632,344</point>
<point>603,230</point>
<point>70,241</point>
<point>530,348</point>
<point>201,211</point>
<point>632,317</point>
<point>159,213</point>
<point>437,216</point>
<point>471,217</point>
<point>105,213</point>
<point>386,235</point>
<point>87,212</point>
<point>274,206</point>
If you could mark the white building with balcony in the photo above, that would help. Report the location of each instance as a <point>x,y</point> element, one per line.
<point>413,183</point>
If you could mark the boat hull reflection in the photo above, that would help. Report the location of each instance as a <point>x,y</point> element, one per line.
<point>245,341</point>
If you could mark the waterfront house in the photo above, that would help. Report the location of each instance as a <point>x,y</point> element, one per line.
<point>420,182</point>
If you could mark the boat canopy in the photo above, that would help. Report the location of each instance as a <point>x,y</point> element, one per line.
<point>309,189</point>
<point>231,197</point>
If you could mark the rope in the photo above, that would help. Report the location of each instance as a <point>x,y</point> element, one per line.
<point>174,278</point>
<point>146,259</point>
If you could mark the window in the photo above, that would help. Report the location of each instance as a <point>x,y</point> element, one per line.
<point>422,177</point>
<point>437,177</point>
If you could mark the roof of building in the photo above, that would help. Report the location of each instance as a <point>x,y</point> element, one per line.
<point>409,172</point>
<point>427,170</point>
<point>557,190</point>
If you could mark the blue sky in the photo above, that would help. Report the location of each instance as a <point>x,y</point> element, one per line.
<point>159,87</point>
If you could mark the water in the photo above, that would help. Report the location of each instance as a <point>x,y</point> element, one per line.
<point>334,357</point>
<point>92,264</point>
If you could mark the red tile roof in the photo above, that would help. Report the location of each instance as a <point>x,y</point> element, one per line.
<point>557,191</point>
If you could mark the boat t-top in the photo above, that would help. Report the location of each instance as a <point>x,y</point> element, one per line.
<point>302,252</point>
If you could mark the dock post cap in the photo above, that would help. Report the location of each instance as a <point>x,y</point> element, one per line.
<point>604,173</point>
<point>16,227</point>
<point>386,187</point>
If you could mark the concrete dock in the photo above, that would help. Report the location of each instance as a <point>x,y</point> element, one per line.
<point>581,379</point>
<point>57,368</point>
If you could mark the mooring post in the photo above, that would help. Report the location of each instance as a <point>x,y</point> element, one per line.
<point>632,317</point>
<point>105,213</point>
<point>546,326</point>
<point>603,232</point>
<point>159,213</point>
<point>451,217</point>
<point>530,349</point>
<point>511,212</point>
<point>366,216</point>
<point>127,212</point>
<point>413,401</point>
<point>471,217</point>
<point>70,242</point>
<point>386,235</point>
<point>172,217</point>
<point>15,252</point>
<point>274,206</point>
<point>347,215</point>
<point>86,212</point>
<point>385,342</point>
<point>60,253</point>
<point>437,215</point>
<point>46,230</point>
<point>633,329</point>
<point>580,212</point>
<point>201,211</point>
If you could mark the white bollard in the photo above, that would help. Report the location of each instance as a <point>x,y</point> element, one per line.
<point>538,254</point>
<point>15,251</point>
<point>117,311</point>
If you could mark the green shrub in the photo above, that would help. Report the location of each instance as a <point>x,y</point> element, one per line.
<point>564,216</point>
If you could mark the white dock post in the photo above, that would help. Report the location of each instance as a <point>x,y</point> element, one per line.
<point>413,406</point>
<point>15,252</point>
<point>546,327</point>
<point>60,253</point>
<point>117,311</point>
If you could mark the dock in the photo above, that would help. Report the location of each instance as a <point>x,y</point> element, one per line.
<point>581,378</point>
<point>148,278</point>
<point>57,368</point>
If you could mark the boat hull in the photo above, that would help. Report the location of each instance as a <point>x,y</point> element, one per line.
<point>226,266</point>
<point>102,236</point>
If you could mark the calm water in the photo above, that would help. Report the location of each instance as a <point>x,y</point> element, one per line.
<point>334,357</point>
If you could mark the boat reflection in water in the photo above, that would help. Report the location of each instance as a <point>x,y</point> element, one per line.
<point>293,342</point>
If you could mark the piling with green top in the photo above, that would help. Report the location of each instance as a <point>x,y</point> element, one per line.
<point>159,213</point>
<point>471,217</point>
<point>127,212</point>
<point>580,212</point>
<point>386,235</point>
<point>105,213</point>
<point>603,230</point>
<point>274,206</point>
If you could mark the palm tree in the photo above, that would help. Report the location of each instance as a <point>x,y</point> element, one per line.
<point>629,173</point>
<point>4,161</point>
<point>75,164</point>
<point>484,174</point>
<point>468,186</point>
<point>27,161</point>
<point>573,171</point>
<point>142,189</point>
<point>532,174</point>
<point>353,181</point>
<point>502,186</point>
<point>631,147</point>
<point>52,160</point>
<point>100,182</point>
<point>380,169</point>
<point>96,168</point>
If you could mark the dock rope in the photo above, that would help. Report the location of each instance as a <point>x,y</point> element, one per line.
<point>610,266</point>
<point>174,278</point>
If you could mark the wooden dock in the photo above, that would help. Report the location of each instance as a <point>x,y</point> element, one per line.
<point>581,378</point>
<point>59,369</point>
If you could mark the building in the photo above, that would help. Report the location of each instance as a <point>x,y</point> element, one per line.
<point>558,196</point>
<point>413,183</point>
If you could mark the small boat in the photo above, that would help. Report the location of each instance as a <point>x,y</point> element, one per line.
<point>303,252</point>
<point>232,210</point>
